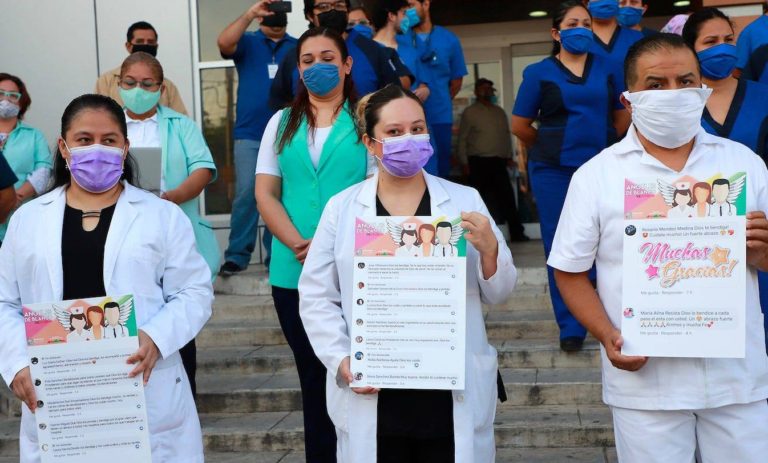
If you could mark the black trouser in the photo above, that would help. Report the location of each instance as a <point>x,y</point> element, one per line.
<point>319,432</point>
<point>414,450</point>
<point>189,359</point>
<point>489,176</point>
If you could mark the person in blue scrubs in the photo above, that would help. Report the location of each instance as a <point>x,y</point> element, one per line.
<point>611,40</point>
<point>752,50</point>
<point>374,66</point>
<point>738,108</point>
<point>390,21</point>
<point>440,53</point>
<point>256,55</point>
<point>631,16</point>
<point>574,96</point>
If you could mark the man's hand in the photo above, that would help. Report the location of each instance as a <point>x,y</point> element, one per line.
<point>346,374</point>
<point>146,357</point>
<point>613,344</point>
<point>258,10</point>
<point>757,240</point>
<point>23,388</point>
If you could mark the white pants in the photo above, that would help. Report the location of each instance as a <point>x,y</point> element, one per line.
<point>734,433</point>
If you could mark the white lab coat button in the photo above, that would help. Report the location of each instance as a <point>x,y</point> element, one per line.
<point>460,398</point>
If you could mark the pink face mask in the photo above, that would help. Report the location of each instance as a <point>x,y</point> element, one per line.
<point>406,155</point>
<point>96,168</point>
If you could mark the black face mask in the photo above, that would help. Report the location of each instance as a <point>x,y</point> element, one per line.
<point>151,49</point>
<point>275,20</point>
<point>334,20</point>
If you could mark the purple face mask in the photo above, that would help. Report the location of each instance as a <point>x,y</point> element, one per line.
<point>406,155</point>
<point>96,168</point>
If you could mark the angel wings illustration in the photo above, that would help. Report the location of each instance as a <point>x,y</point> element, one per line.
<point>721,195</point>
<point>63,315</point>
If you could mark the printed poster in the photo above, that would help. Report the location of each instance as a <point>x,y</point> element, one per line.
<point>88,409</point>
<point>684,292</point>
<point>409,303</point>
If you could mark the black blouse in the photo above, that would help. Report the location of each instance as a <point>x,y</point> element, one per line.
<point>414,413</point>
<point>82,254</point>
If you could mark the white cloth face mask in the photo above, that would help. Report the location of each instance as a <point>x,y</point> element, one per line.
<point>668,118</point>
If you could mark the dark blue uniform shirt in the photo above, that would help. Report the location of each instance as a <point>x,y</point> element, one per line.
<point>616,50</point>
<point>254,54</point>
<point>575,113</point>
<point>747,118</point>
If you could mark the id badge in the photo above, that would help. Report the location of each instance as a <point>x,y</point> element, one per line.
<point>272,69</point>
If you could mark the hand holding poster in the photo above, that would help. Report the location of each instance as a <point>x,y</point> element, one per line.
<point>684,291</point>
<point>409,303</point>
<point>88,409</point>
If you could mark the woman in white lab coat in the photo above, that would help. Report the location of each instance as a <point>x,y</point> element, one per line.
<point>94,234</point>
<point>395,133</point>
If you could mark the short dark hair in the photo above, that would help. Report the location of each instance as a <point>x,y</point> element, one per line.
<point>139,26</point>
<point>443,225</point>
<point>721,181</point>
<point>380,15</point>
<point>652,44</point>
<point>697,19</point>
<point>25,99</point>
<point>111,304</point>
<point>483,81</point>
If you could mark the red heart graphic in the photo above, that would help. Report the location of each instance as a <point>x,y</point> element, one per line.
<point>645,235</point>
<point>730,232</point>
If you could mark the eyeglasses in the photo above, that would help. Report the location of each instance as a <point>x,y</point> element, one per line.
<point>146,84</point>
<point>326,7</point>
<point>362,22</point>
<point>11,96</point>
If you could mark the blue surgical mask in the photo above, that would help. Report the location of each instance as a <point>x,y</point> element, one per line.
<point>410,20</point>
<point>718,62</point>
<point>321,78</point>
<point>364,30</point>
<point>604,9</point>
<point>630,16</point>
<point>576,40</point>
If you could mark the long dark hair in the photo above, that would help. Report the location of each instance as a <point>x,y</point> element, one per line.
<point>301,107</point>
<point>61,175</point>
<point>697,19</point>
<point>559,16</point>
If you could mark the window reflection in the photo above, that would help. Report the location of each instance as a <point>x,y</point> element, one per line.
<point>219,94</point>
<point>212,17</point>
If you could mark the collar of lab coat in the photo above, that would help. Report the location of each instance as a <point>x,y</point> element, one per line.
<point>437,193</point>
<point>124,215</point>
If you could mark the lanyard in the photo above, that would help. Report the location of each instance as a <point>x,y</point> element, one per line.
<point>274,47</point>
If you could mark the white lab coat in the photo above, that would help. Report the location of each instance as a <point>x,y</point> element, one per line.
<point>150,253</point>
<point>114,332</point>
<point>74,336</point>
<point>325,289</point>
<point>403,251</point>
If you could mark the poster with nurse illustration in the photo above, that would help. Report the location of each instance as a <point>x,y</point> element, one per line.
<point>88,409</point>
<point>684,291</point>
<point>408,303</point>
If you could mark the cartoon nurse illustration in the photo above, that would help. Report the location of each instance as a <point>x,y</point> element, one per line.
<point>116,316</point>
<point>406,238</point>
<point>95,319</point>
<point>447,237</point>
<point>679,198</point>
<point>73,320</point>
<point>702,197</point>
<point>426,239</point>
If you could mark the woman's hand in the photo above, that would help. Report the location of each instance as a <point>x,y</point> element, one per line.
<point>301,249</point>
<point>23,388</point>
<point>258,10</point>
<point>170,195</point>
<point>346,374</point>
<point>146,357</point>
<point>757,240</point>
<point>480,233</point>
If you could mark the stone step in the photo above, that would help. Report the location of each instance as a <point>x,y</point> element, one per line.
<point>254,281</point>
<point>530,428</point>
<point>538,432</point>
<point>503,455</point>
<point>500,326</point>
<point>519,353</point>
<point>280,391</point>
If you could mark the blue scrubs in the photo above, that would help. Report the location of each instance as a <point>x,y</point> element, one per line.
<point>747,123</point>
<point>752,50</point>
<point>576,123</point>
<point>616,49</point>
<point>442,60</point>
<point>373,68</point>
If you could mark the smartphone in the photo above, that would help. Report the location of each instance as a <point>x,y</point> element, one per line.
<point>280,7</point>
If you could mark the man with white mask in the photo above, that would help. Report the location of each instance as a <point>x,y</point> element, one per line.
<point>663,407</point>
